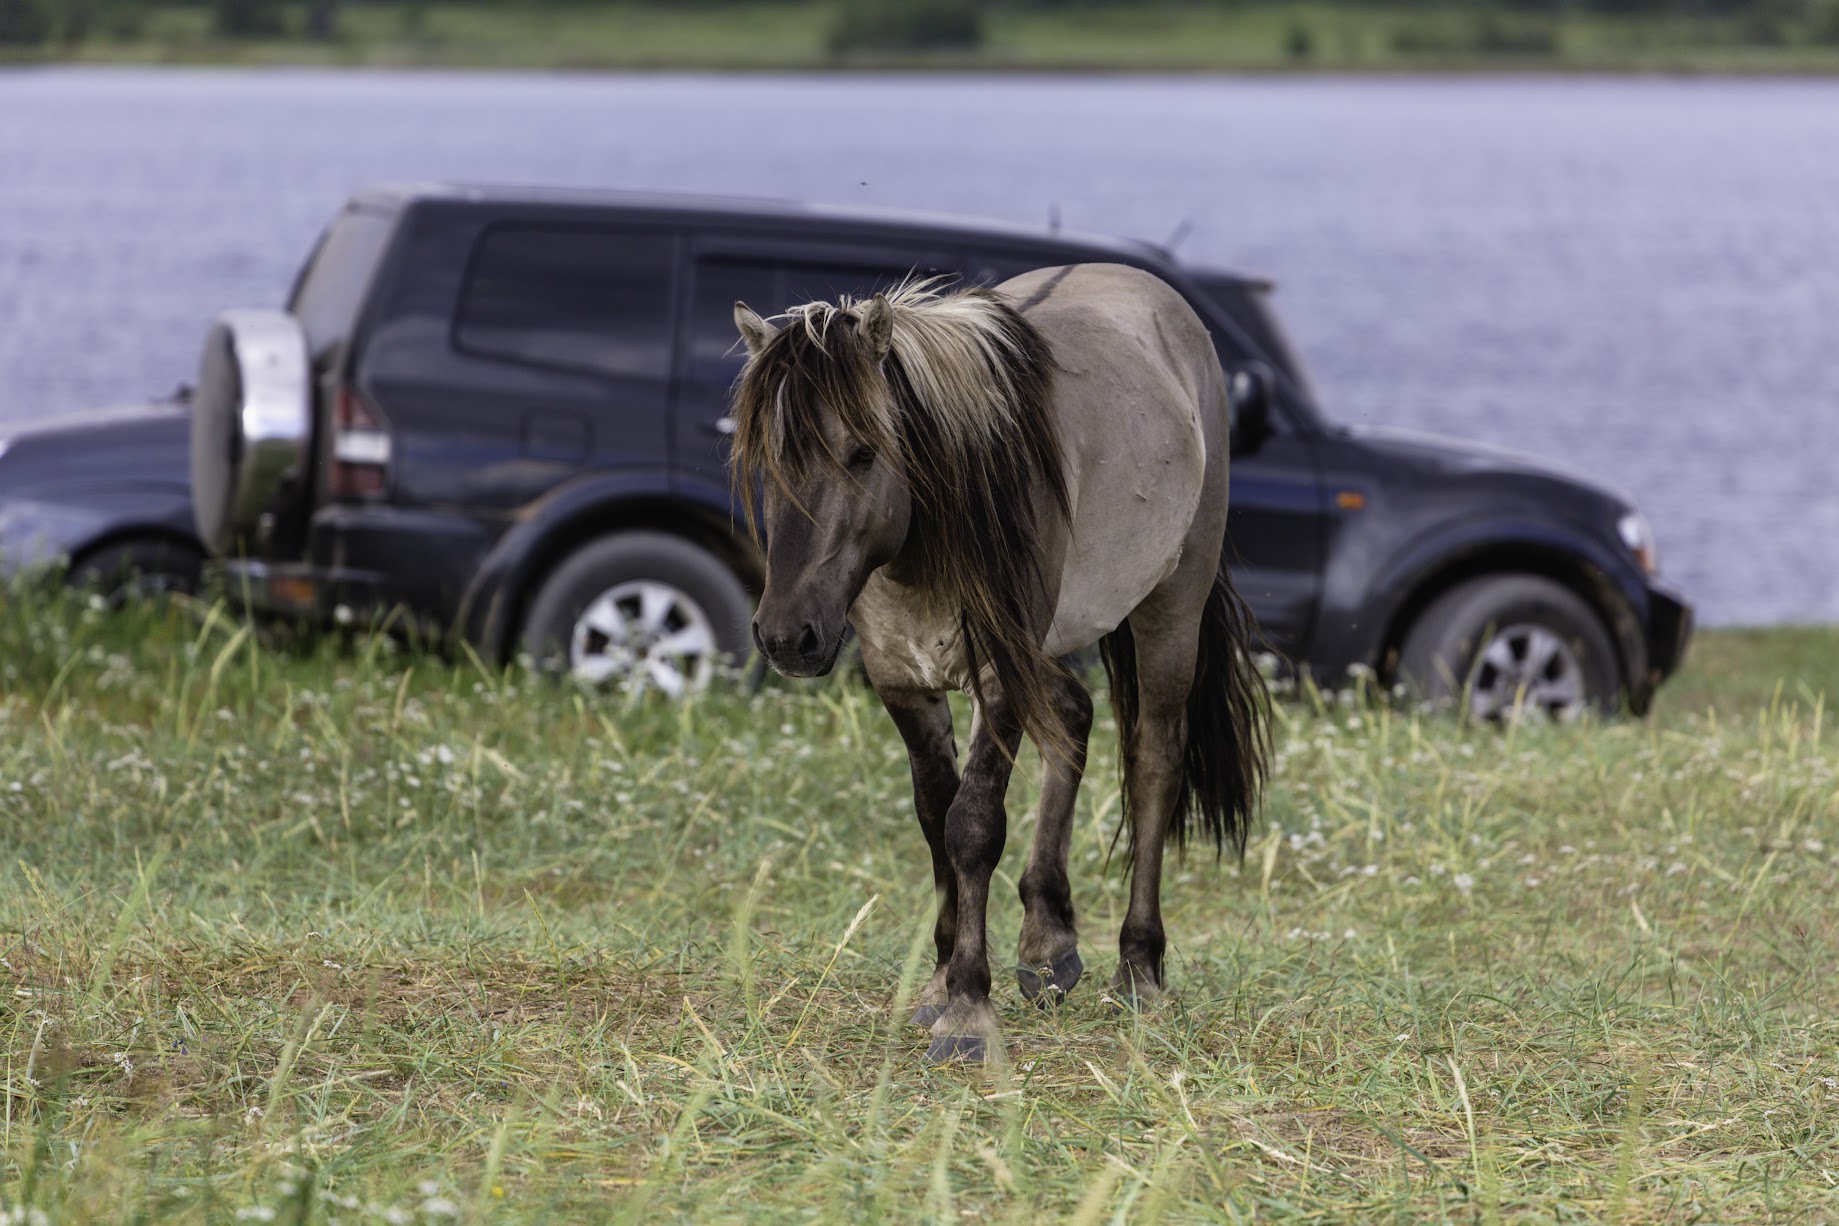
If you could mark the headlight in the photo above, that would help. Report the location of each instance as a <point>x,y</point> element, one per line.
<point>1638,535</point>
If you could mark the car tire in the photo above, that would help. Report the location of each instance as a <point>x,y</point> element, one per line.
<point>639,610</point>
<point>1501,647</point>
<point>138,570</point>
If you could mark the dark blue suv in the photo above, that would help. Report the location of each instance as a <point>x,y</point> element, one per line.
<point>501,415</point>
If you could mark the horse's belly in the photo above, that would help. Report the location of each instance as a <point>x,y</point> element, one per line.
<point>1130,519</point>
<point>1095,599</point>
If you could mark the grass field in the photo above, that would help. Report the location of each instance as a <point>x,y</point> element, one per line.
<point>351,935</point>
<point>790,34</point>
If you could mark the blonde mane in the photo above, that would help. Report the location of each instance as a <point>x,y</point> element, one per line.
<point>960,352</point>
<point>963,397</point>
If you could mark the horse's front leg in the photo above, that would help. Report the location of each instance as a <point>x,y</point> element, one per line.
<point>1047,956</point>
<point>976,826</point>
<point>924,722</point>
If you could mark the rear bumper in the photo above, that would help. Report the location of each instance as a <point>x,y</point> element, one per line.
<point>303,590</point>
<point>367,565</point>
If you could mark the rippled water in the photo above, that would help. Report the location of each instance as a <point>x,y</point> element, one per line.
<point>1637,277</point>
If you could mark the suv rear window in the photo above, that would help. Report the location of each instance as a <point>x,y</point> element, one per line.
<point>331,285</point>
<point>582,298</point>
<point>1247,304</point>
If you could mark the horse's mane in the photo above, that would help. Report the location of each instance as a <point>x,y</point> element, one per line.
<point>963,398</point>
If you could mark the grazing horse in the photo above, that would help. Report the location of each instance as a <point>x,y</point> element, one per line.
<point>982,482</point>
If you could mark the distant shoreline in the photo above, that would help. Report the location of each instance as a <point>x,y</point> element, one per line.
<point>797,36</point>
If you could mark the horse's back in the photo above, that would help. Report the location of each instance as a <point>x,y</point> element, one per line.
<point>1142,417</point>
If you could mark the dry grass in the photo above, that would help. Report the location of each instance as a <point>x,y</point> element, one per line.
<point>362,936</point>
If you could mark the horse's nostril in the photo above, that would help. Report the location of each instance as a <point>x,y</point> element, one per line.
<point>758,642</point>
<point>807,640</point>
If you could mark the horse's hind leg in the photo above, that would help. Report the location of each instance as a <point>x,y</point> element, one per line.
<point>1047,957</point>
<point>924,721</point>
<point>1166,643</point>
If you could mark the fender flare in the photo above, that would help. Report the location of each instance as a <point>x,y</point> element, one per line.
<point>1432,563</point>
<point>546,530</point>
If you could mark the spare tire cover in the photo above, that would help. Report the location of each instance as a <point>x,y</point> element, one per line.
<point>251,416</point>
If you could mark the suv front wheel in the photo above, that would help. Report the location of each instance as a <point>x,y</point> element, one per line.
<point>639,610</point>
<point>1505,646</point>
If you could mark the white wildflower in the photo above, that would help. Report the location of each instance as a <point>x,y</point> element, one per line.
<point>1463,882</point>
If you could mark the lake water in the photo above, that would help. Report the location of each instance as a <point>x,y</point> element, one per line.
<point>1639,277</point>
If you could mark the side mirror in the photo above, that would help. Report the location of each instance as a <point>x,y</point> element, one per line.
<point>1250,388</point>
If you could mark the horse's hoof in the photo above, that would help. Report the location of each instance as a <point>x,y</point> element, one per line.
<point>926,1015</point>
<point>971,1048</point>
<point>1133,993</point>
<point>1047,986</point>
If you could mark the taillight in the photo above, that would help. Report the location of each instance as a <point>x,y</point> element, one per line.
<point>360,449</point>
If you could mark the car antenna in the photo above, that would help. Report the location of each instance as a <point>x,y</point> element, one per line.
<point>1178,235</point>
<point>1053,218</point>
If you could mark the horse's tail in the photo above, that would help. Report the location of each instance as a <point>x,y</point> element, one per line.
<point>1229,713</point>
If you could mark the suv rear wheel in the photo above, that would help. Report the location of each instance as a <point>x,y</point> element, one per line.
<point>640,610</point>
<point>1503,647</point>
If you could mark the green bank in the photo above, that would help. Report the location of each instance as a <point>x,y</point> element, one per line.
<point>344,933</point>
<point>1458,35</point>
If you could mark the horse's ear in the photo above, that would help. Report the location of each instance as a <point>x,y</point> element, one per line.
<point>877,324</point>
<point>754,330</point>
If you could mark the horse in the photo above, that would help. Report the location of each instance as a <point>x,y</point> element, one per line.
<point>983,482</point>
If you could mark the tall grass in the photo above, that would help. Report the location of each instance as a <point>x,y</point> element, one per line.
<point>344,933</point>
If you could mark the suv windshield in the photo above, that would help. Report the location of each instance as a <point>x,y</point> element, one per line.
<point>331,286</point>
<point>1247,303</point>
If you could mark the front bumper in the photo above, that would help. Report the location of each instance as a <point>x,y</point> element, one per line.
<point>1668,631</point>
<point>39,537</point>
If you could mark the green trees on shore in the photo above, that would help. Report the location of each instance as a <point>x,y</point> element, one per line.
<point>1442,29</point>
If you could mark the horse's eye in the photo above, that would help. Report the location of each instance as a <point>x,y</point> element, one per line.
<point>861,458</point>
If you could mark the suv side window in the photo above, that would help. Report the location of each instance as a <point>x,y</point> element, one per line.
<point>581,298</point>
<point>712,349</point>
<point>768,286</point>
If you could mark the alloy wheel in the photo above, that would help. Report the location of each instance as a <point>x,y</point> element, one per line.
<point>643,634</point>
<point>1526,669</point>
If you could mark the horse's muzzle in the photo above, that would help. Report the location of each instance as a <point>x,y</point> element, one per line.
<point>800,651</point>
